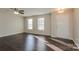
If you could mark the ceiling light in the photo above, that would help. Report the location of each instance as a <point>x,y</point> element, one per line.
<point>60,10</point>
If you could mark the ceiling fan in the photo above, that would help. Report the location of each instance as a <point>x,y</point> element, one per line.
<point>17,11</point>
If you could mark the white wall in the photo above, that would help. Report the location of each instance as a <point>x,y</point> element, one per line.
<point>35,31</point>
<point>76,26</point>
<point>56,25</point>
<point>10,23</point>
<point>62,25</point>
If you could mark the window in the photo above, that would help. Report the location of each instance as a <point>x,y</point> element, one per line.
<point>40,23</point>
<point>30,23</point>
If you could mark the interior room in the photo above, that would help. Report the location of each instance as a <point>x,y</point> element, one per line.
<point>39,29</point>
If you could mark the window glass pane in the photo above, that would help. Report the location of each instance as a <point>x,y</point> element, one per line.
<point>30,23</point>
<point>41,24</point>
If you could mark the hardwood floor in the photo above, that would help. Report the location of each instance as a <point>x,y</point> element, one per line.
<point>30,42</point>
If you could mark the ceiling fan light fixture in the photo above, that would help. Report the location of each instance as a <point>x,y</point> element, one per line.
<point>16,12</point>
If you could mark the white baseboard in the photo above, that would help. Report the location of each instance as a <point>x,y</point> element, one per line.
<point>62,37</point>
<point>76,42</point>
<point>10,34</point>
<point>39,33</point>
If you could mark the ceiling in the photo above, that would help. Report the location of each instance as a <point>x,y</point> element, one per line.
<point>35,11</point>
<point>29,11</point>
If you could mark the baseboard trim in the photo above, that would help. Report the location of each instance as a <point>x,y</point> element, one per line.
<point>60,38</point>
<point>38,34</point>
<point>76,43</point>
<point>11,34</point>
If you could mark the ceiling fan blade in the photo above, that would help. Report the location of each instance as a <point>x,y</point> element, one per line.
<point>21,11</point>
<point>15,9</point>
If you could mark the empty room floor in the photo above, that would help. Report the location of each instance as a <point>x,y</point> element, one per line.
<point>30,42</point>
